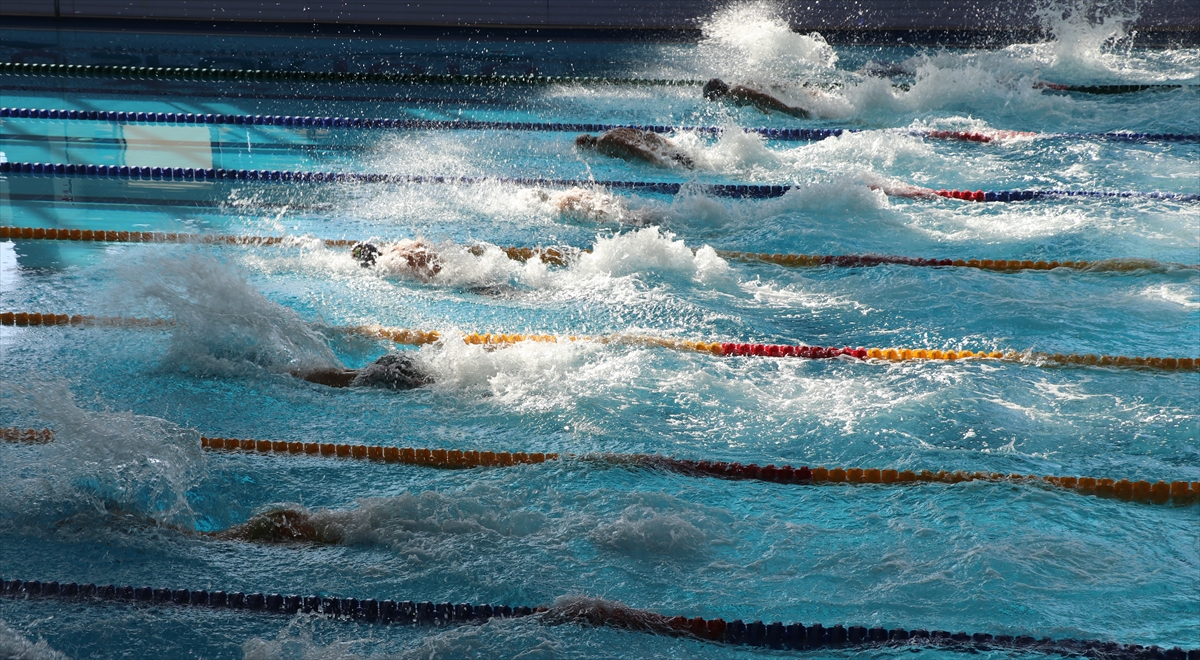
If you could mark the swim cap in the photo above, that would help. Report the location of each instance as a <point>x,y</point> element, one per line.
<point>715,89</point>
<point>393,371</point>
<point>364,253</point>
<point>586,141</point>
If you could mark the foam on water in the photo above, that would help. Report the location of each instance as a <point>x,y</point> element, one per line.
<point>15,646</point>
<point>755,40</point>
<point>530,376</point>
<point>1089,43</point>
<point>103,465</point>
<point>643,530</point>
<point>1183,295</point>
<point>650,250</point>
<point>618,261</point>
<point>428,531</point>
<point>516,638</point>
<point>222,325</point>
<point>1092,41</point>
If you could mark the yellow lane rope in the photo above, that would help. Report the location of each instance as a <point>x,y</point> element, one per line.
<point>1159,492</point>
<point>423,337</point>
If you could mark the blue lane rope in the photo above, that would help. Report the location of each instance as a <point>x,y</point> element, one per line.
<point>774,635</point>
<point>784,134</point>
<point>740,191</point>
<point>197,74</point>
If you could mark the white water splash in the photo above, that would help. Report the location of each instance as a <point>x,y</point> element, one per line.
<point>754,40</point>
<point>15,646</point>
<point>224,326</point>
<point>102,461</point>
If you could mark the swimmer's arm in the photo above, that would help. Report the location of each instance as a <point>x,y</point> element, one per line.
<point>624,151</point>
<point>746,96</point>
<point>328,377</point>
<point>904,190</point>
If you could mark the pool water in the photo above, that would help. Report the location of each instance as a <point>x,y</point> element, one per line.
<point>122,492</point>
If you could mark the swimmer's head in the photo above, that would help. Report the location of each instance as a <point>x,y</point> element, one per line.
<point>586,141</point>
<point>364,254</point>
<point>715,89</point>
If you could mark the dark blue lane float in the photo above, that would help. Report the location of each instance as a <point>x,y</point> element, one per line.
<point>776,635</point>
<point>739,190</point>
<point>201,74</point>
<point>292,121</point>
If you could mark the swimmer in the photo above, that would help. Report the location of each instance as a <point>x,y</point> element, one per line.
<point>632,144</point>
<point>598,612</point>
<point>394,371</point>
<point>582,204</point>
<point>416,258</point>
<point>280,526</point>
<point>900,189</point>
<point>740,95</point>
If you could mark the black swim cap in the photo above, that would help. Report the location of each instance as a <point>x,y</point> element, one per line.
<point>365,253</point>
<point>715,89</point>
<point>393,371</point>
<point>586,141</point>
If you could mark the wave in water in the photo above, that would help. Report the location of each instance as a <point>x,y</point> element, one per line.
<point>101,464</point>
<point>15,646</point>
<point>223,325</point>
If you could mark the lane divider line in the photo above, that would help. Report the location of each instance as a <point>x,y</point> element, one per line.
<point>1158,492</point>
<point>748,191</point>
<point>422,337</point>
<point>198,74</point>
<point>776,635</point>
<point>783,134</point>
<point>1109,89</point>
<point>417,337</point>
<point>559,257</point>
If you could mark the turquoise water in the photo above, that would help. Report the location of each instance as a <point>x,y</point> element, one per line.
<point>120,494</point>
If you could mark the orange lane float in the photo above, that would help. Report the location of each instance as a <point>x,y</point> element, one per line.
<point>423,337</point>
<point>1159,492</point>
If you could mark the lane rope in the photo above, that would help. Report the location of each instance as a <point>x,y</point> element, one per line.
<point>748,191</point>
<point>201,74</point>
<point>775,635</point>
<point>198,74</point>
<point>422,337</point>
<point>559,257</point>
<point>783,134</point>
<point>1158,492</point>
<point>1108,89</point>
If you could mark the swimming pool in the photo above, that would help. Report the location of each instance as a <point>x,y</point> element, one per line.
<point>120,495</point>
